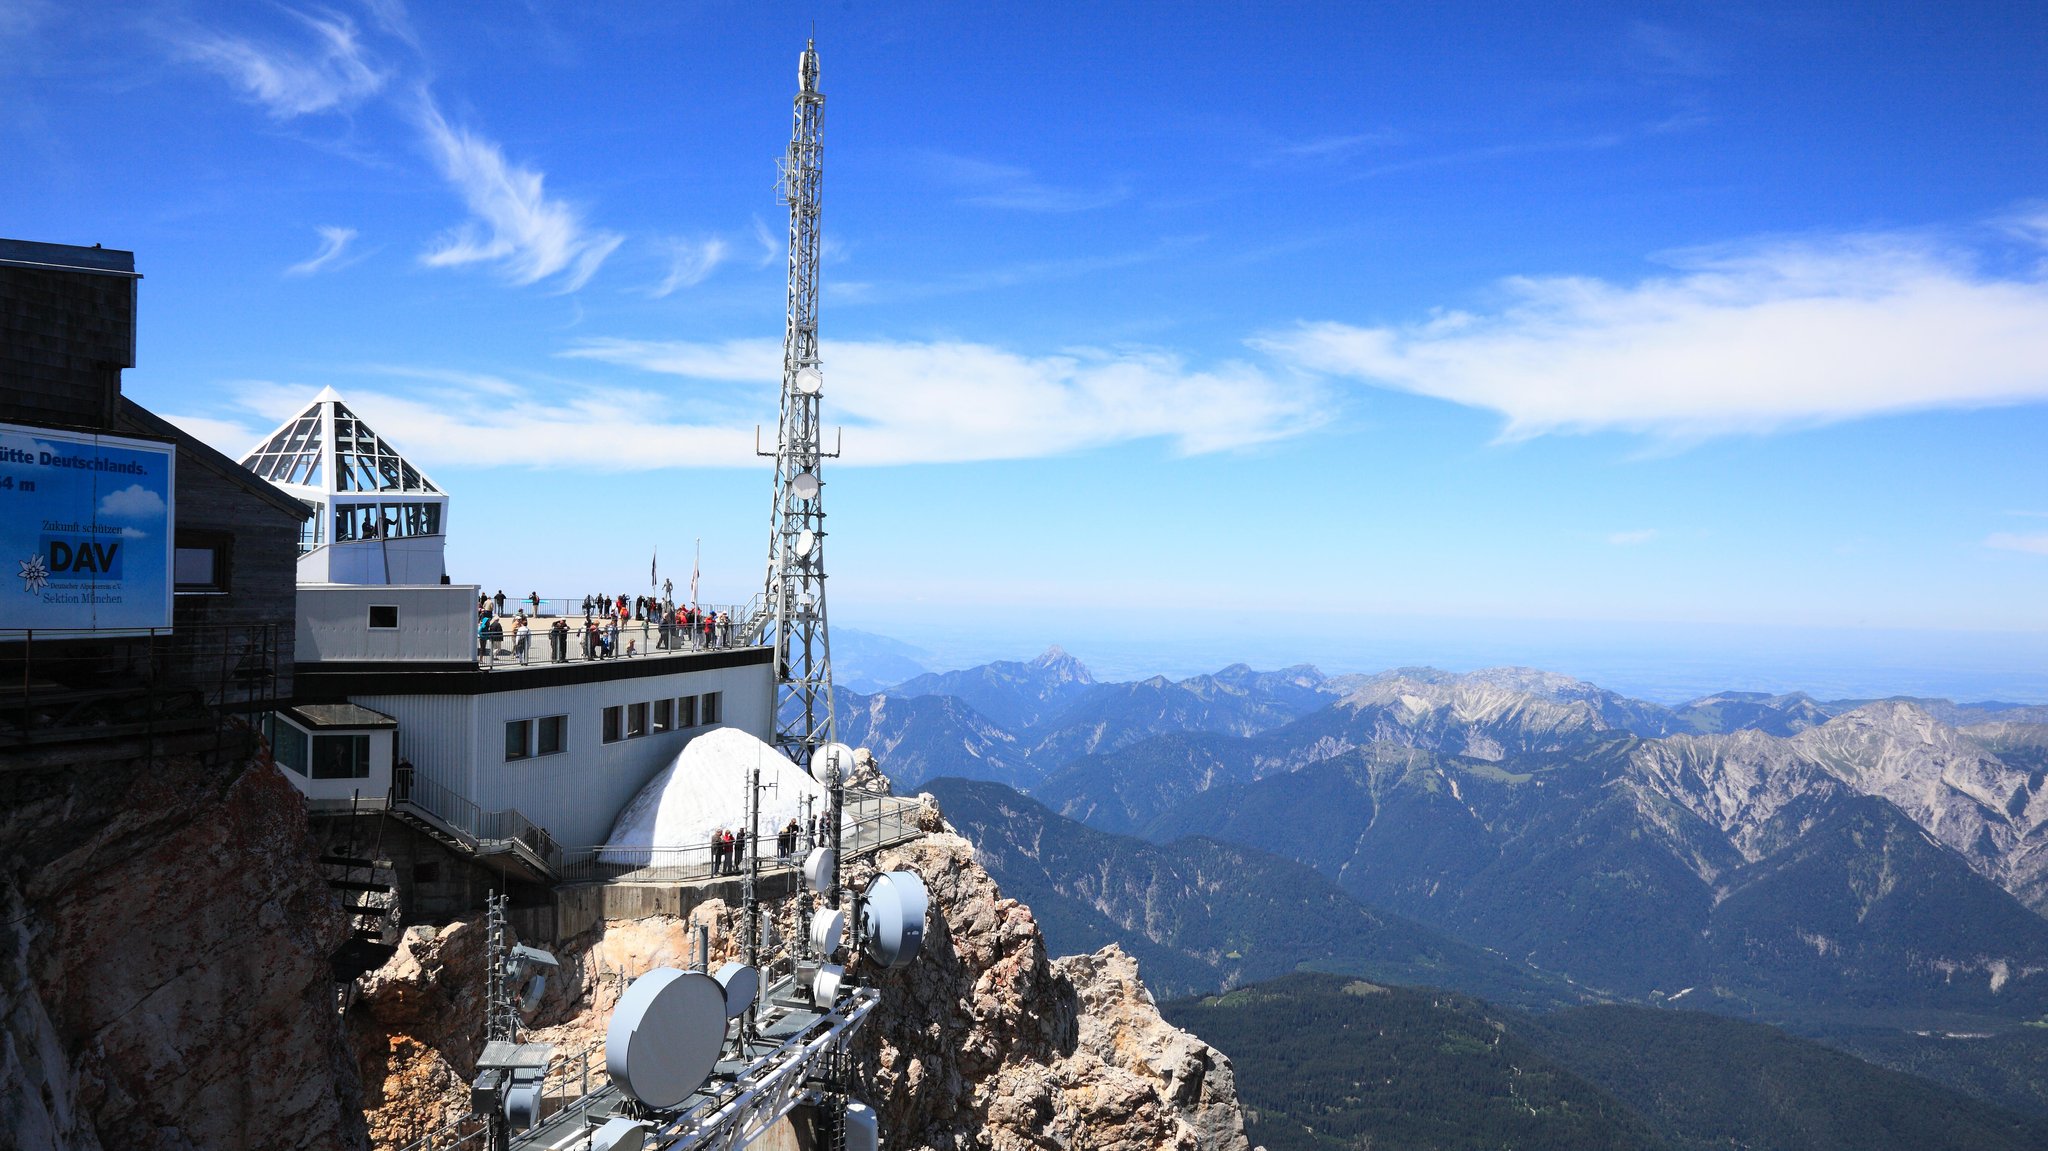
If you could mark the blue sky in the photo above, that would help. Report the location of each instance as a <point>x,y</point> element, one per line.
<point>1608,337</point>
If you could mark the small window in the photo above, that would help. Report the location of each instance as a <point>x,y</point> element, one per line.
<point>384,616</point>
<point>686,712</point>
<point>711,708</point>
<point>288,746</point>
<point>518,739</point>
<point>199,562</point>
<point>341,756</point>
<point>614,724</point>
<point>636,720</point>
<point>664,715</point>
<point>554,735</point>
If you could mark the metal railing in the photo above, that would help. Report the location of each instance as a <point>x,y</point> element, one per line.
<point>871,822</point>
<point>634,637</point>
<point>507,828</point>
<point>59,685</point>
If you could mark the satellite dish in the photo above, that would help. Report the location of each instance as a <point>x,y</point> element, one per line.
<point>821,866</point>
<point>805,541</point>
<point>805,485</point>
<point>522,1105</point>
<point>863,1128</point>
<point>825,984</point>
<point>892,918</point>
<point>810,381</point>
<point>665,1035</point>
<point>742,985</point>
<point>831,763</point>
<point>828,926</point>
<point>621,1134</point>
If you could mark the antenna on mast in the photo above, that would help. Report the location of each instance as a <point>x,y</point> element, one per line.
<point>793,602</point>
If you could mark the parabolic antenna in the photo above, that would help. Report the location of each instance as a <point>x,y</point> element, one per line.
<point>805,485</point>
<point>828,926</point>
<point>665,1035</point>
<point>805,541</point>
<point>892,918</point>
<point>742,984</point>
<point>810,381</point>
<point>821,867</point>
<point>831,763</point>
<point>825,984</point>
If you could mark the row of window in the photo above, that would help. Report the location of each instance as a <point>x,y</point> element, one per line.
<point>633,720</point>
<point>549,734</point>
<point>319,756</point>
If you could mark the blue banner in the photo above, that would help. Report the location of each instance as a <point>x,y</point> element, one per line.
<point>86,531</point>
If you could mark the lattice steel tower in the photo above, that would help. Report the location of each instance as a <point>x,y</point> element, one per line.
<point>793,603</point>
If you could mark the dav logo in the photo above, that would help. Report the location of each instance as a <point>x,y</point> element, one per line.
<point>76,556</point>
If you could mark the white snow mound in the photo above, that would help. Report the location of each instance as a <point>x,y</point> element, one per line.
<point>705,789</point>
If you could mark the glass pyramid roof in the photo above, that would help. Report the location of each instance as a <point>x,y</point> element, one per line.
<point>352,458</point>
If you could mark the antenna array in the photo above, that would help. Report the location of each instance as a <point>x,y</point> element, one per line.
<point>793,603</point>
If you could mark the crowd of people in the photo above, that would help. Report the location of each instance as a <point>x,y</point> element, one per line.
<point>797,838</point>
<point>663,625</point>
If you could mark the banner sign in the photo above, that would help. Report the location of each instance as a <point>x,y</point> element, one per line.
<point>86,530</point>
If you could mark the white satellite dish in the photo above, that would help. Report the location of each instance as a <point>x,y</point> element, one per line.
<point>892,917</point>
<point>821,866</point>
<point>805,485</point>
<point>742,985</point>
<point>825,984</point>
<point>665,1035</point>
<point>831,763</point>
<point>828,926</point>
<point>805,541</point>
<point>810,381</point>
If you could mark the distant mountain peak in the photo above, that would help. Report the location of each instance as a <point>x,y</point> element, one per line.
<point>1057,660</point>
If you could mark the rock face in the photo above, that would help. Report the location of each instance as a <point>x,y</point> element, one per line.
<point>984,1042</point>
<point>164,983</point>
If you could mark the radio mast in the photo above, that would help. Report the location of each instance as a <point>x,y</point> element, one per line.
<point>793,603</point>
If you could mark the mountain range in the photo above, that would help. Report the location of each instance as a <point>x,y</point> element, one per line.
<point>1844,868</point>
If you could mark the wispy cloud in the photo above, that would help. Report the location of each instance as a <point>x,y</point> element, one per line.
<point>1005,276</point>
<point>1752,338</point>
<point>907,402</point>
<point>689,262</point>
<point>517,227</point>
<point>333,72</point>
<point>991,185</point>
<point>771,247</point>
<point>333,242</point>
<point>2034,542</point>
<point>1632,538</point>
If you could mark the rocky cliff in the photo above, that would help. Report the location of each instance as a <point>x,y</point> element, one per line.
<point>164,983</point>
<point>985,1042</point>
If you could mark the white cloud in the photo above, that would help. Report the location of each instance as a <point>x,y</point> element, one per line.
<point>1773,336</point>
<point>772,248</point>
<point>2035,542</point>
<point>517,227</point>
<point>333,241</point>
<point>1632,538</point>
<point>952,401</point>
<point>689,263</point>
<point>992,185</point>
<point>133,502</point>
<point>231,438</point>
<point>334,72</point>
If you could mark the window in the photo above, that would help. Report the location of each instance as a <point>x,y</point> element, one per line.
<point>518,739</point>
<point>554,734</point>
<point>686,712</point>
<point>636,720</point>
<point>427,871</point>
<point>384,616</point>
<point>287,745</point>
<point>614,724</point>
<point>664,715</point>
<point>711,707</point>
<point>199,564</point>
<point>341,756</point>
